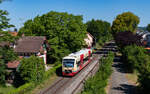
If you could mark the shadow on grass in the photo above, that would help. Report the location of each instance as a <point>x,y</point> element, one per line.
<point>59,71</point>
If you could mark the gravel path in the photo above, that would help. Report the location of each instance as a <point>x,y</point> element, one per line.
<point>118,82</point>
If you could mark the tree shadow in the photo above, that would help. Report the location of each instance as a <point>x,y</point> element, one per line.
<point>118,64</point>
<point>59,71</point>
<point>127,89</point>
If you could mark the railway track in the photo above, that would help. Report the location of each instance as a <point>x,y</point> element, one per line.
<point>63,81</point>
<point>69,85</point>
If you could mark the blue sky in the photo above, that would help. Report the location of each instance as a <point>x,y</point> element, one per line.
<point>22,10</point>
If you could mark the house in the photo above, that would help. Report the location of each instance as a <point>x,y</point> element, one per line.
<point>25,47</point>
<point>89,40</point>
<point>32,45</point>
<point>11,69</point>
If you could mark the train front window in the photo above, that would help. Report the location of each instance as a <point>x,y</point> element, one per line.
<point>68,62</point>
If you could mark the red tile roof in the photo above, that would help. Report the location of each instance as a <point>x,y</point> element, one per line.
<point>29,44</point>
<point>13,64</point>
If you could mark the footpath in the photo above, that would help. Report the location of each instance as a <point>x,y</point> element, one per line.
<point>118,83</point>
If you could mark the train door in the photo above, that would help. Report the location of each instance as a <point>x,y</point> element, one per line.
<point>81,60</point>
<point>89,55</point>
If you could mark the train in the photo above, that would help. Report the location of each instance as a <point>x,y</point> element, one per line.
<point>75,62</point>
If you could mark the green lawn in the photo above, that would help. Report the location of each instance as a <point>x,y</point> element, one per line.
<point>5,90</point>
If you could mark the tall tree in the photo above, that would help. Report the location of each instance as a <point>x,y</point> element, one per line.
<point>65,32</point>
<point>4,21</point>
<point>101,30</point>
<point>126,21</point>
<point>4,24</point>
<point>6,54</point>
<point>148,27</point>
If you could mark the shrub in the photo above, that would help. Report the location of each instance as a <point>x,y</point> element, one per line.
<point>31,85</point>
<point>97,84</point>
<point>48,73</point>
<point>32,69</point>
<point>23,89</point>
<point>137,59</point>
<point>133,57</point>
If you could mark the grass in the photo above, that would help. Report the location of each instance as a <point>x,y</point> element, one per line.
<point>5,90</point>
<point>132,78</point>
<point>98,46</point>
<point>46,83</point>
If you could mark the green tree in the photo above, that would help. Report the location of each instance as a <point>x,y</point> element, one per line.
<point>6,37</point>
<point>32,69</point>
<point>148,27</point>
<point>126,21</point>
<point>4,24</point>
<point>4,21</point>
<point>6,55</point>
<point>101,30</point>
<point>2,72</point>
<point>65,32</point>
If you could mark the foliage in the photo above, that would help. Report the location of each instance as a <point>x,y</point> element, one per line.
<point>97,84</point>
<point>136,58</point>
<point>4,21</point>
<point>148,27</point>
<point>127,38</point>
<point>6,37</point>
<point>23,89</point>
<point>133,57</point>
<point>144,78</point>
<point>32,69</point>
<point>126,21</point>
<point>2,72</point>
<point>65,32</point>
<point>30,86</point>
<point>6,89</point>
<point>6,55</point>
<point>51,71</point>
<point>100,30</point>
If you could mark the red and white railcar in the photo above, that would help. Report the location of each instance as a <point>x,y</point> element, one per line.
<point>75,62</point>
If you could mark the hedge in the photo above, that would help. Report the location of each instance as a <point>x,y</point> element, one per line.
<point>97,83</point>
<point>22,89</point>
<point>136,58</point>
<point>30,86</point>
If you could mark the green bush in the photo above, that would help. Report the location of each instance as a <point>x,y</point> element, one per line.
<point>97,84</point>
<point>32,69</point>
<point>133,57</point>
<point>48,73</point>
<point>23,89</point>
<point>29,86</point>
<point>137,59</point>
